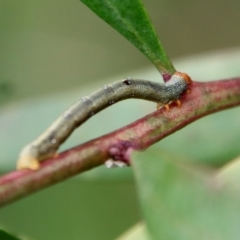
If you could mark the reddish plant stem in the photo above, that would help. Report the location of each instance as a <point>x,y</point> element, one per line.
<point>205,98</point>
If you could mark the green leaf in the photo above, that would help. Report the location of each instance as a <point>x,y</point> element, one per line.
<point>130,19</point>
<point>6,236</point>
<point>183,201</point>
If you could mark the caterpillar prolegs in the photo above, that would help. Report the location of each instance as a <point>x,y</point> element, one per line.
<point>47,144</point>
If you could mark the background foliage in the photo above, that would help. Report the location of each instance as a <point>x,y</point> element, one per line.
<point>47,48</point>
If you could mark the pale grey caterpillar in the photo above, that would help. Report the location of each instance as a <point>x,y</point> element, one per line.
<point>47,144</point>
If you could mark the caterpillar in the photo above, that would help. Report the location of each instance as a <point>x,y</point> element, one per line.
<point>47,144</point>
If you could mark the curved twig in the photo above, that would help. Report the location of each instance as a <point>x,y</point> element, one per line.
<point>205,98</point>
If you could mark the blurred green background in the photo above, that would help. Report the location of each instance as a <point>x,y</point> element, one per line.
<point>54,52</point>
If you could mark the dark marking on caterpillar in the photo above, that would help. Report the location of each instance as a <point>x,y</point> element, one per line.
<point>47,144</point>
<point>127,81</point>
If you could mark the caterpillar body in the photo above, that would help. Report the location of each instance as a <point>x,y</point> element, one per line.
<point>47,144</point>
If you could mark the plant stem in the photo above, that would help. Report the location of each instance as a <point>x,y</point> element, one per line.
<point>205,98</point>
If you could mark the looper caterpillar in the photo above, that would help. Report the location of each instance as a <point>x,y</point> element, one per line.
<point>46,145</point>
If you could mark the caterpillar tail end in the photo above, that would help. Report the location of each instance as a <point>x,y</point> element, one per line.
<point>27,162</point>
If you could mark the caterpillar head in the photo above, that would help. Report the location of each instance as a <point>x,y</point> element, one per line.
<point>183,76</point>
